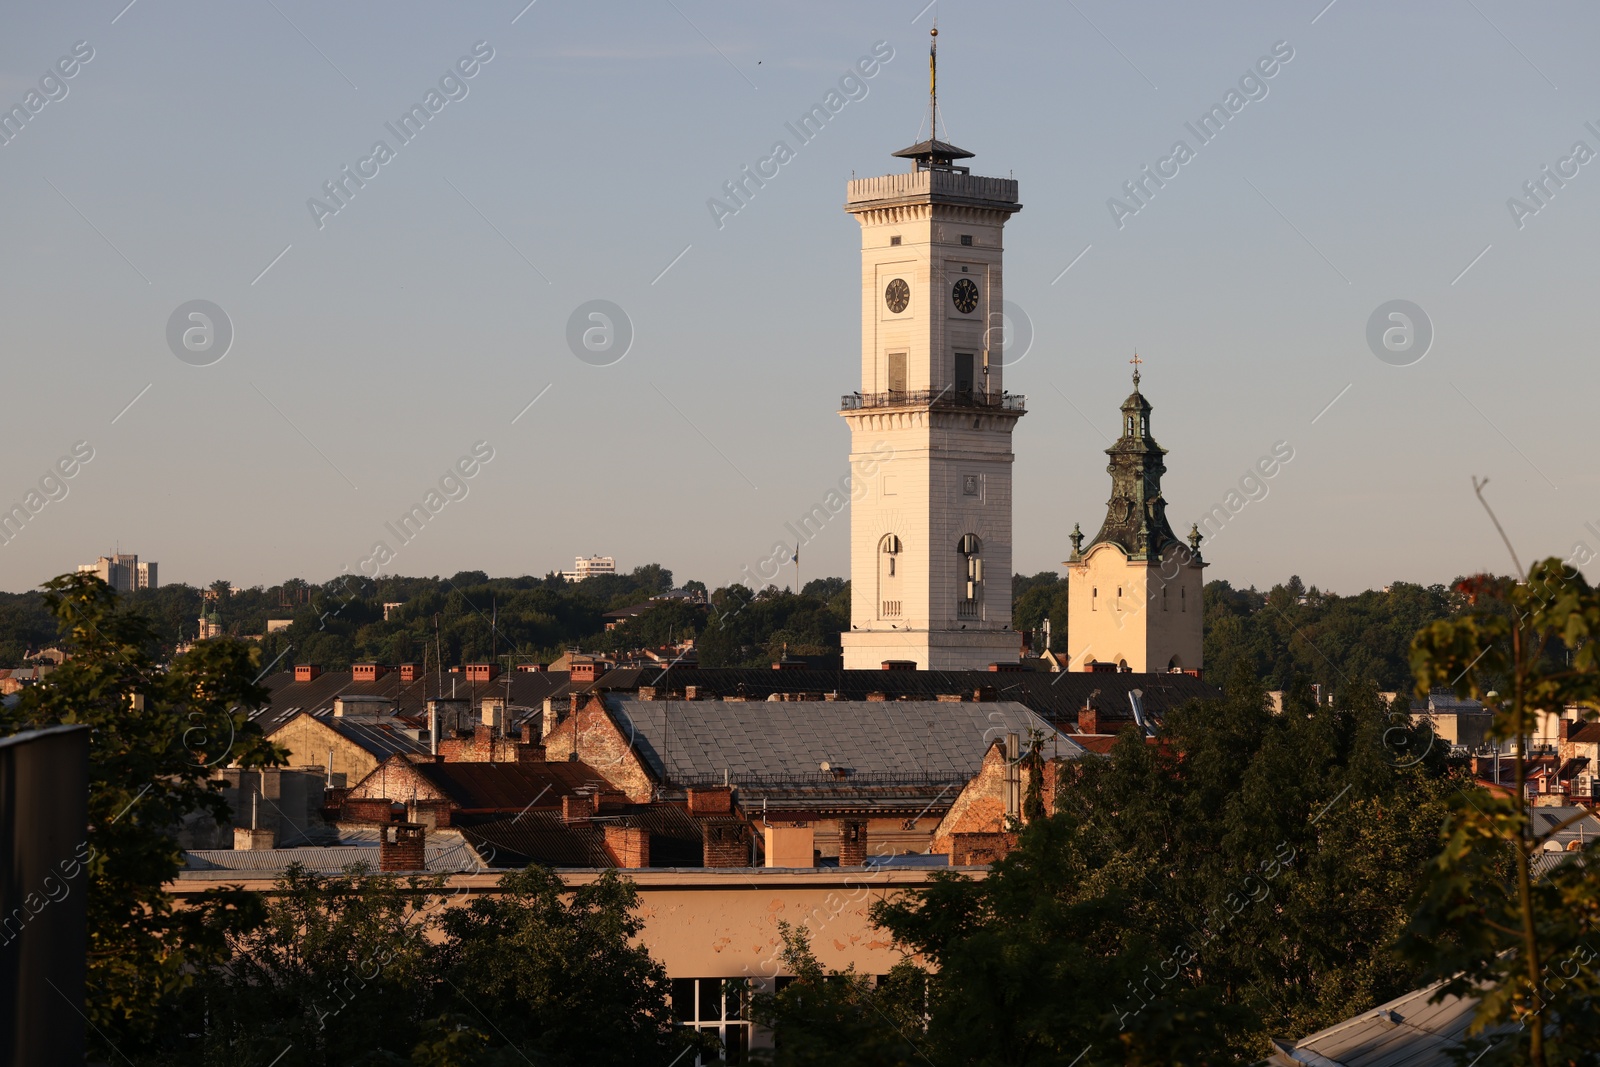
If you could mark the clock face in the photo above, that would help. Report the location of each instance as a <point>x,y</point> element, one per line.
<point>965,295</point>
<point>897,295</point>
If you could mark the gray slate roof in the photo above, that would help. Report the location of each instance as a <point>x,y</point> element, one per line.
<point>689,742</point>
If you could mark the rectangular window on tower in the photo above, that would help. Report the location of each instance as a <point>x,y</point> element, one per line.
<point>897,372</point>
<point>963,376</point>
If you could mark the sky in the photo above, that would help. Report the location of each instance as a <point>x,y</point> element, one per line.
<point>371,349</point>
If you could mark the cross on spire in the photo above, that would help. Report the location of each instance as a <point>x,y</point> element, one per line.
<point>1136,361</point>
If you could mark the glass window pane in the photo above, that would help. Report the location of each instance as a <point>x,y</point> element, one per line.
<point>683,999</point>
<point>710,1000</point>
<point>736,1044</point>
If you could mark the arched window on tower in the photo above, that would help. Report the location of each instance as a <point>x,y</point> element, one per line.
<point>969,598</point>
<point>889,550</point>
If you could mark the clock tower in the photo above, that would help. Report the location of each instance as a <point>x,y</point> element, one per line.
<point>930,537</point>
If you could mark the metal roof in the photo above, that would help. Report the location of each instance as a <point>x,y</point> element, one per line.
<point>1405,1032</point>
<point>509,786</point>
<point>446,853</point>
<point>937,149</point>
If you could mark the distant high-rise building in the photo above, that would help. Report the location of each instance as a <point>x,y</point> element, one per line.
<point>122,572</point>
<point>588,566</point>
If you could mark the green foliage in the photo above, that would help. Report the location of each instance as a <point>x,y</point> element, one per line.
<point>333,962</point>
<point>1187,901</point>
<point>754,629</point>
<point>840,1018</point>
<point>1528,945</point>
<point>1043,596</point>
<point>155,736</point>
<point>1292,632</point>
<point>368,969</point>
<point>557,972</point>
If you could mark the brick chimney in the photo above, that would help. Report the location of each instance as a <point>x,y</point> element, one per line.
<point>307,672</point>
<point>403,847</point>
<point>578,807</point>
<point>691,692</point>
<point>1563,729</point>
<point>852,842</point>
<point>710,800</point>
<point>725,844</point>
<point>1088,720</point>
<point>877,698</point>
<point>408,673</point>
<point>629,846</point>
<point>246,839</point>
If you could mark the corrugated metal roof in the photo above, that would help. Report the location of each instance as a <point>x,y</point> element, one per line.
<point>510,786</point>
<point>446,853</point>
<point>1406,1032</point>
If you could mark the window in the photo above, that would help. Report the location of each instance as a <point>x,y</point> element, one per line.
<point>966,238</point>
<point>715,1006</point>
<point>963,375</point>
<point>1094,599</point>
<point>1163,598</point>
<point>897,372</point>
<point>1183,600</point>
<point>889,549</point>
<point>969,598</point>
<point>894,241</point>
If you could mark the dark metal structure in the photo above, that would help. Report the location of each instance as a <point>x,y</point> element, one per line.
<point>44,796</point>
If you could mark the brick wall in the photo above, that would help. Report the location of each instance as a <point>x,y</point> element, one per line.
<point>725,844</point>
<point>590,731</point>
<point>403,848</point>
<point>577,807</point>
<point>967,850</point>
<point>629,846</point>
<point>852,842</point>
<point>710,800</point>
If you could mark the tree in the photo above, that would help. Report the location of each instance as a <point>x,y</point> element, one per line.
<point>1242,878</point>
<point>337,969</point>
<point>557,972</point>
<point>1522,944</point>
<point>155,736</point>
<point>839,1018</point>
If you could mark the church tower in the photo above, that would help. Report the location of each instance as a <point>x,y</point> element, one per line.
<point>1134,595</point>
<point>930,428</point>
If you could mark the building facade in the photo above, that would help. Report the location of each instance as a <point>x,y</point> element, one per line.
<point>588,566</point>
<point>122,572</point>
<point>1134,598</point>
<point>930,535</point>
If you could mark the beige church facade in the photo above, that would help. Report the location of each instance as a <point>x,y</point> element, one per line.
<point>1134,595</point>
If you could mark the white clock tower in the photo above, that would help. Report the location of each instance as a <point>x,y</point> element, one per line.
<point>930,538</point>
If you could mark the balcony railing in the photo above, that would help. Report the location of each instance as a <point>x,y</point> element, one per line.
<point>943,398</point>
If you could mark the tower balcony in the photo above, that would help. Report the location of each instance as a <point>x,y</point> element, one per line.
<point>947,398</point>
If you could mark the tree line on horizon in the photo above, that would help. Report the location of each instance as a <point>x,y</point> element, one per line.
<point>1285,632</point>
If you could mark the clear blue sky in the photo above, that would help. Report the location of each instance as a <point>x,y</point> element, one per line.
<point>433,307</point>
